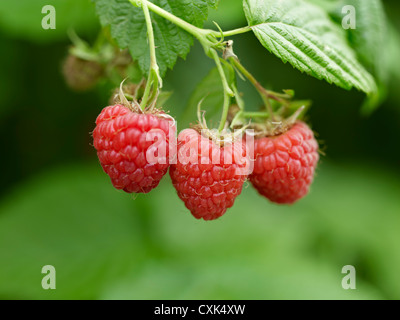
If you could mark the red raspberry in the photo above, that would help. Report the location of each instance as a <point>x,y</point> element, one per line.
<point>285,164</point>
<point>208,177</point>
<point>133,148</point>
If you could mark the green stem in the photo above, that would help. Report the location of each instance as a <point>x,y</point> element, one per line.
<point>261,90</point>
<point>228,93</point>
<point>225,110</point>
<point>197,32</point>
<point>232,32</point>
<point>100,40</point>
<point>238,98</point>
<point>147,89</point>
<point>150,35</point>
<point>154,78</point>
<point>208,39</point>
<point>129,97</point>
<point>255,115</point>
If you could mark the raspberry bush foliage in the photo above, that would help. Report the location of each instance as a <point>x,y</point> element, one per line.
<point>272,149</point>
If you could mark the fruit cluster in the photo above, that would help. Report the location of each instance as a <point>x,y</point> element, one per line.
<point>136,148</point>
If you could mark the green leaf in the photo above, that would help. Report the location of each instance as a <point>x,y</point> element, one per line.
<point>129,29</point>
<point>229,15</point>
<point>328,5</point>
<point>302,34</point>
<point>367,40</point>
<point>213,3</point>
<point>210,91</point>
<point>370,35</point>
<point>393,53</point>
<point>163,98</point>
<point>23,18</point>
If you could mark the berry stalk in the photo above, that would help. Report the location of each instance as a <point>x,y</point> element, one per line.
<point>232,32</point>
<point>255,115</point>
<point>228,93</point>
<point>154,80</point>
<point>207,35</point>
<point>210,43</point>
<point>197,32</point>
<point>208,39</point>
<point>261,90</point>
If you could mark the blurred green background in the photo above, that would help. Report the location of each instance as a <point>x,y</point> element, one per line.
<point>57,206</point>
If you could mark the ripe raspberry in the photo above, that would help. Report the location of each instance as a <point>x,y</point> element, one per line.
<point>208,177</point>
<point>285,164</point>
<point>126,147</point>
